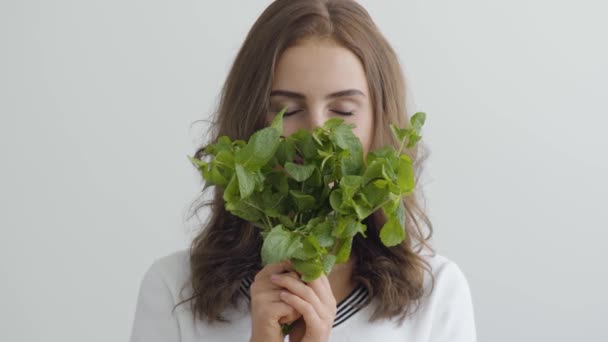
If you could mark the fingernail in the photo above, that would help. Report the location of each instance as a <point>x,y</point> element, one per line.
<point>274,277</point>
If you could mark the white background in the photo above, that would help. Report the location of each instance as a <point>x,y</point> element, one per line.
<point>98,103</point>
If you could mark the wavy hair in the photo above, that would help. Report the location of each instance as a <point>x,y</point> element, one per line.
<point>227,248</point>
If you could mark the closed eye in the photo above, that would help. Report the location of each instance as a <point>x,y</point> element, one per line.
<point>335,111</point>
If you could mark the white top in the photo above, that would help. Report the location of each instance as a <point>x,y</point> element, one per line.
<point>446,315</point>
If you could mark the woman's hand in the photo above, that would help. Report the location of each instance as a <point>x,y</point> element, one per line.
<point>315,301</point>
<point>268,311</point>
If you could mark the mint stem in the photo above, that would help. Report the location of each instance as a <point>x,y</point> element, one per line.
<point>286,328</point>
<point>269,222</point>
<point>401,147</point>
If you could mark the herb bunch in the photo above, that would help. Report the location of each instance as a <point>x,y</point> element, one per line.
<point>309,192</point>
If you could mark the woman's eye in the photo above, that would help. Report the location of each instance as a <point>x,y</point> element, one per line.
<point>343,113</point>
<point>335,111</point>
<point>290,113</point>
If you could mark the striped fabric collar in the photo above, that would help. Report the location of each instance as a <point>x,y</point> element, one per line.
<point>350,305</point>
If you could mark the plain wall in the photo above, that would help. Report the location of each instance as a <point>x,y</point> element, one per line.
<point>98,101</point>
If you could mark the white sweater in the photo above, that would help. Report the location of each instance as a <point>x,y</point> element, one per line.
<point>446,315</point>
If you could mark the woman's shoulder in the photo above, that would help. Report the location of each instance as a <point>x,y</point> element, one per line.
<point>160,288</point>
<point>448,301</point>
<point>444,267</point>
<point>174,262</point>
<point>448,276</point>
<point>173,270</point>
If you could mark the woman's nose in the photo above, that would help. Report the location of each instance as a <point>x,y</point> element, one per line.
<point>316,118</point>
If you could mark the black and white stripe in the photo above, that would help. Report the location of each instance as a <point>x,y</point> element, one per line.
<point>350,305</point>
<point>244,287</point>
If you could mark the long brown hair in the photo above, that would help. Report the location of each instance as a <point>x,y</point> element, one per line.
<point>227,249</point>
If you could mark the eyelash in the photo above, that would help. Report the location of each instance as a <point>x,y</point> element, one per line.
<point>335,111</point>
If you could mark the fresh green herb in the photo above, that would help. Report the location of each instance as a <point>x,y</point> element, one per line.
<point>309,192</point>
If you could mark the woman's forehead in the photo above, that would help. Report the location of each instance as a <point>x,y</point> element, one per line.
<point>319,69</point>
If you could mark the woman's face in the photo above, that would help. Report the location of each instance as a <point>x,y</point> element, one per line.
<point>318,80</point>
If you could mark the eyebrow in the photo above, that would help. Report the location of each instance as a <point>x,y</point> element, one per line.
<point>286,93</point>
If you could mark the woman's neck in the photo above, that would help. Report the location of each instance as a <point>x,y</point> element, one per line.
<point>341,279</point>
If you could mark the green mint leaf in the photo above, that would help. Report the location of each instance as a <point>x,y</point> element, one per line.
<point>363,210</point>
<point>373,171</point>
<point>277,121</point>
<point>388,172</point>
<point>392,204</point>
<point>309,269</point>
<point>332,123</point>
<point>351,156</point>
<point>399,133</point>
<point>417,120</point>
<point>314,181</point>
<point>299,172</point>
<point>351,182</point>
<point>225,158</point>
<point>405,175</point>
<point>273,203</point>
<point>392,233</point>
<point>343,253</point>
<point>310,249</point>
<point>197,162</point>
<point>215,177</point>
<point>279,244</point>
<point>305,143</point>
<point>259,150</point>
<point>324,154</point>
<point>344,137</point>
<point>278,181</point>
<point>353,164</point>
<point>329,261</point>
<point>231,193</point>
<point>313,222</point>
<point>246,181</point>
<point>335,200</point>
<point>303,201</point>
<point>323,233</point>
<point>375,194</point>
<point>259,179</point>
<point>286,151</point>
<point>317,136</point>
<point>244,210</point>
<point>347,227</point>
<point>400,213</point>
<point>286,221</point>
<point>327,158</point>
<point>349,185</point>
<point>381,183</point>
<point>387,152</point>
<point>413,139</point>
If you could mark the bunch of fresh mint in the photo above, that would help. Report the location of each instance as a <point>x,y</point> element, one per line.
<point>309,192</point>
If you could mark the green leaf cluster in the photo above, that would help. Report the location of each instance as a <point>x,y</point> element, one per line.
<point>309,192</point>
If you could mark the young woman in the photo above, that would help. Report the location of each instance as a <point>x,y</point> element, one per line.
<point>320,59</point>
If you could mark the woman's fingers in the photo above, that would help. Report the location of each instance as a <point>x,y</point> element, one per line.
<point>314,301</point>
<point>278,267</point>
<point>310,314</point>
<point>323,290</point>
<point>262,278</point>
<point>300,289</point>
<point>267,308</point>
